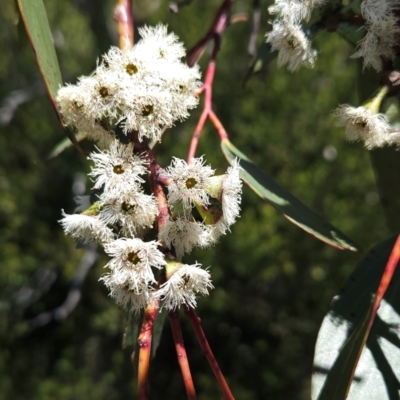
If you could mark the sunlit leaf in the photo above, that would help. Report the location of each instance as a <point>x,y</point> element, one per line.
<point>292,208</point>
<point>344,330</point>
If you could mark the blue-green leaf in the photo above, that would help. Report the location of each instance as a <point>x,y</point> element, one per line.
<point>157,331</point>
<point>293,209</point>
<point>340,340</point>
<point>37,27</point>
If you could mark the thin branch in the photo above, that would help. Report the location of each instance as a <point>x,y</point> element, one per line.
<point>205,347</point>
<point>143,149</point>
<point>123,16</point>
<point>251,47</point>
<point>181,354</point>
<point>174,6</point>
<point>207,88</point>
<point>218,125</point>
<point>218,26</point>
<point>74,294</point>
<point>144,341</point>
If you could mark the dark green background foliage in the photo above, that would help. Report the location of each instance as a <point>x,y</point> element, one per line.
<point>273,283</point>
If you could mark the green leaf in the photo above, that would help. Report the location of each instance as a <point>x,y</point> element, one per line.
<point>38,29</point>
<point>133,325</point>
<point>293,209</point>
<point>350,32</point>
<point>132,328</point>
<point>264,57</point>
<point>157,331</point>
<point>341,374</point>
<point>65,144</point>
<point>342,337</point>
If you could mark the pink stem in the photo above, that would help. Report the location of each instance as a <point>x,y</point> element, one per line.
<point>142,149</point>
<point>144,340</point>
<point>181,354</point>
<point>123,16</point>
<point>218,125</point>
<point>207,88</point>
<point>205,347</point>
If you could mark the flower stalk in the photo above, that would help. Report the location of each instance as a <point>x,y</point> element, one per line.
<point>205,347</point>
<point>214,33</point>
<point>181,354</point>
<point>123,17</point>
<point>144,341</point>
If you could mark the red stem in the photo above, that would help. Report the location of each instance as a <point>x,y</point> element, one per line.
<point>123,16</point>
<point>142,149</point>
<point>205,347</point>
<point>181,354</point>
<point>218,125</point>
<point>207,88</point>
<point>144,340</point>
<point>387,276</point>
<point>214,33</point>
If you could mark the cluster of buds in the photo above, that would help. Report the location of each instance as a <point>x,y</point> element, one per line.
<point>141,90</point>
<point>287,35</point>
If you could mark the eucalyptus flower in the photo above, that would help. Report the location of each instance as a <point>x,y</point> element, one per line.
<point>183,285</point>
<point>188,182</point>
<point>116,168</point>
<point>132,261</point>
<point>293,46</point>
<point>86,228</point>
<point>364,125</point>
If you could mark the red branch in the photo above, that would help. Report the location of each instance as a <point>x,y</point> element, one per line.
<point>142,149</point>
<point>181,354</point>
<point>214,33</point>
<point>123,16</point>
<point>144,340</point>
<point>386,278</point>
<point>205,347</point>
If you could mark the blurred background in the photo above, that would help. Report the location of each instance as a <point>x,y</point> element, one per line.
<point>60,333</point>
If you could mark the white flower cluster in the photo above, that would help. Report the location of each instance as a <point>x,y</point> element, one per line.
<point>118,221</point>
<point>216,198</point>
<point>364,125</point>
<point>287,36</point>
<point>383,32</point>
<point>142,89</point>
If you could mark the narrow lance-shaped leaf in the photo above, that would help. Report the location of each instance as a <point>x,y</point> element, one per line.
<point>133,323</point>
<point>352,370</point>
<point>293,209</point>
<point>65,144</point>
<point>38,30</point>
<point>37,27</point>
<point>263,57</point>
<point>157,331</point>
